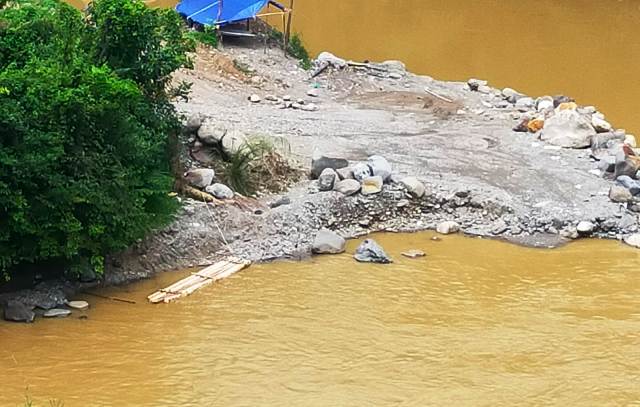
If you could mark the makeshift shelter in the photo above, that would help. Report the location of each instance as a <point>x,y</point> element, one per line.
<point>220,13</point>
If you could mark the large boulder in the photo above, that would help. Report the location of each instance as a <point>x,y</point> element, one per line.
<point>568,129</point>
<point>328,242</point>
<point>200,177</point>
<point>16,311</point>
<point>328,58</point>
<point>372,185</point>
<point>327,179</point>
<point>348,186</point>
<point>232,142</point>
<point>193,124</point>
<point>371,252</point>
<point>361,171</point>
<point>380,167</point>
<point>447,227</point>
<point>414,186</point>
<point>620,194</point>
<point>320,163</point>
<point>220,191</point>
<point>210,133</point>
<point>585,227</point>
<point>631,184</point>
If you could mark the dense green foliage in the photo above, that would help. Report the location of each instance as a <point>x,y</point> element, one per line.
<point>208,36</point>
<point>84,130</point>
<point>297,50</point>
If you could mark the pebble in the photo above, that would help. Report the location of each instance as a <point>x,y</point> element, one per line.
<point>412,254</point>
<point>314,93</point>
<point>254,98</point>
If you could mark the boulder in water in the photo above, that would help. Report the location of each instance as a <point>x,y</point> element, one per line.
<point>16,311</point>
<point>328,242</point>
<point>371,252</point>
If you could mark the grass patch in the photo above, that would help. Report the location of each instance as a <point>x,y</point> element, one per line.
<point>295,47</point>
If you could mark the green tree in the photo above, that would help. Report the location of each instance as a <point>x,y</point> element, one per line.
<point>84,166</point>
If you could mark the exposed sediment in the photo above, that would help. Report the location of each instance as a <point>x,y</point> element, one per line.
<point>457,138</point>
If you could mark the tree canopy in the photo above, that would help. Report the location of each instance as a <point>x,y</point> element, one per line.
<point>86,119</point>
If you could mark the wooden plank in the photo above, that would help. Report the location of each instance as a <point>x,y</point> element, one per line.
<point>197,280</point>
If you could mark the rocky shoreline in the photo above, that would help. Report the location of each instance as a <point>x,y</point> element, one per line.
<point>491,163</point>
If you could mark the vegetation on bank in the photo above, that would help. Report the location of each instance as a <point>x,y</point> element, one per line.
<point>85,128</point>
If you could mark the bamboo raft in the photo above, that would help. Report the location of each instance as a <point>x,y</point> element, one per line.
<point>197,280</point>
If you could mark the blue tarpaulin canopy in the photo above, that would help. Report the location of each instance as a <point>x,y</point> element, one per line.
<point>220,12</point>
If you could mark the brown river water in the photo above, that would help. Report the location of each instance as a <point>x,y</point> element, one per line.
<point>476,322</point>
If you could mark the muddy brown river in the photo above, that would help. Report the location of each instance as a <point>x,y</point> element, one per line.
<point>476,322</point>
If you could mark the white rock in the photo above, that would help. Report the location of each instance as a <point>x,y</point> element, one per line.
<point>211,133</point>
<point>379,166</point>
<point>309,107</point>
<point>81,305</point>
<point>395,75</point>
<point>233,141</point>
<point>313,92</point>
<point>568,129</point>
<point>286,98</point>
<point>220,191</point>
<point>633,240</point>
<point>544,103</point>
<point>414,186</point>
<point>525,103</point>
<point>361,171</point>
<point>585,227</point>
<point>271,98</point>
<point>372,185</point>
<point>327,57</point>
<point>414,253</point>
<point>600,124</point>
<point>630,140</point>
<point>254,98</point>
<point>447,227</point>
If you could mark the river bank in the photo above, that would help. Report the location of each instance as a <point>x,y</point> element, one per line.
<point>459,142</point>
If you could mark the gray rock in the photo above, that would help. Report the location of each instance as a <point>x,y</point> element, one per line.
<point>395,75</point>
<point>327,179</point>
<point>559,99</point>
<point>345,173</point>
<point>585,227</point>
<point>328,242</point>
<point>200,177</point>
<point>568,129</point>
<point>414,186</point>
<point>220,191</point>
<point>447,227</point>
<point>620,194</point>
<point>285,200</point>
<point>348,186</point>
<point>309,107</point>
<point>232,142</point>
<point>633,240</point>
<point>56,313</point>
<point>475,84</point>
<point>361,171</point>
<point>511,94</point>
<point>15,311</point>
<point>525,103</point>
<point>372,185</point>
<point>210,133</point>
<point>379,167</point>
<point>313,92</point>
<point>320,163</point>
<point>603,140</point>
<point>194,122</point>
<point>632,185</point>
<point>625,167</point>
<point>371,252</point>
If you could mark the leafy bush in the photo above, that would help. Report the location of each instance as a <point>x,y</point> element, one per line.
<point>84,166</point>
<point>297,50</point>
<point>208,36</point>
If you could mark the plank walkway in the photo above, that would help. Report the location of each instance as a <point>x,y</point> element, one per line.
<point>197,280</point>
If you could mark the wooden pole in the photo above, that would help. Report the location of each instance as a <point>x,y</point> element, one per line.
<point>287,33</point>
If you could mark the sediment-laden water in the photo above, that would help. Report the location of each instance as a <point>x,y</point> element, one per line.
<point>476,322</point>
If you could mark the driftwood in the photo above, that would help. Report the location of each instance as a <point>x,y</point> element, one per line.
<point>198,280</point>
<point>107,297</point>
